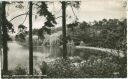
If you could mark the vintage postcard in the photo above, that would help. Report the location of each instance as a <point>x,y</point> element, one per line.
<point>63,39</point>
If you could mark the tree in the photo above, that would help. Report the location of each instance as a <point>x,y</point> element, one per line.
<point>64,29</point>
<point>84,25</point>
<point>6,25</point>
<point>30,40</point>
<point>50,18</point>
<point>0,27</point>
<point>5,48</point>
<point>21,28</point>
<point>64,4</point>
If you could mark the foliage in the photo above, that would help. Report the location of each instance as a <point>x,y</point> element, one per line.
<point>75,4</point>
<point>62,68</point>
<point>8,24</point>
<point>43,11</point>
<point>44,68</point>
<point>94,67</point>
<point>20,37</point>
<point>72,25</point>
<point>21,26</point>
<point>105,33</point>
<point>19,70</point>
<point>39,33</point>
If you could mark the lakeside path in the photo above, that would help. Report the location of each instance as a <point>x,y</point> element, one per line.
<point>112,51</point>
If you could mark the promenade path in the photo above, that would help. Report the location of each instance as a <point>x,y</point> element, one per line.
<point>112,51</point>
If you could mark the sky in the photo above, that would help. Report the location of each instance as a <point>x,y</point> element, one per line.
<point>89,11</point>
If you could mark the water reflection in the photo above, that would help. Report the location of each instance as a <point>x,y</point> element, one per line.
<point>18,54</point>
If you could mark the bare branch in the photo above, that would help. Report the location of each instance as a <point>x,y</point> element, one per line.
<point>18,16</point>
<point>60,17</point>
<point>25,19</point>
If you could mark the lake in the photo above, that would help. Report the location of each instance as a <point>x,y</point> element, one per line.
<point>19,55</point>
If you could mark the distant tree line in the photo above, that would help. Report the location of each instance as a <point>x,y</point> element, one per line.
<point>105,33</point>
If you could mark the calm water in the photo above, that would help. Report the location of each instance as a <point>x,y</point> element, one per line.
<point>19,55</point>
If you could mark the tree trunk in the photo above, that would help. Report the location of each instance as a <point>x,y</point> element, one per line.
<point>30,40</point>
<point>5,48</point>
<point>64,29</point>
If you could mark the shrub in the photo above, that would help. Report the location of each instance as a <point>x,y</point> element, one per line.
<point>61,68</point>
<point>20,70</point>
<point>97,67</point>
<point>94,67</point>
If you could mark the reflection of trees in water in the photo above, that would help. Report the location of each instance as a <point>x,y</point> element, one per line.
<point>52,39</point>
<point>55,51</point>
<point>52,51</point>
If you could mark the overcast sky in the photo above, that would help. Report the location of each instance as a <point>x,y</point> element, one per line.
<point>89,11</point>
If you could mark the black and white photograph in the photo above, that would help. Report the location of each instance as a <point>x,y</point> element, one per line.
<point>63,39</point>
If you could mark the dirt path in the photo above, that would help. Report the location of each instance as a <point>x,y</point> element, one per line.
<point>112,51</point>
